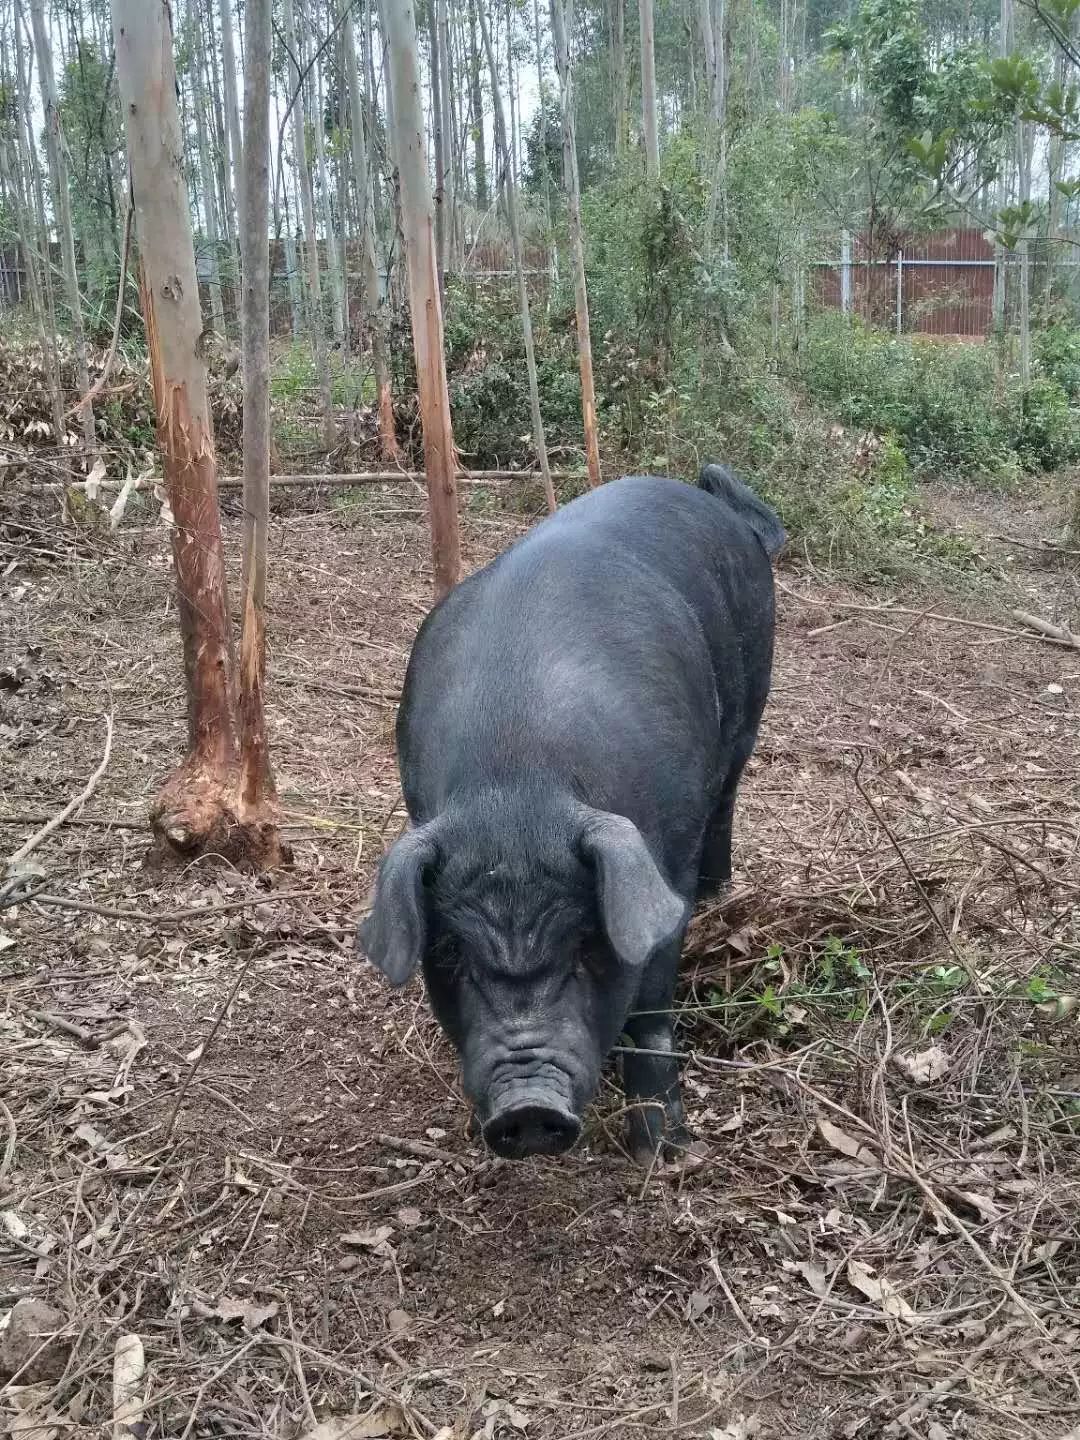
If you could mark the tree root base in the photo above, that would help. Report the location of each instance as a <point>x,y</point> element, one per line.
<point>199,814</point>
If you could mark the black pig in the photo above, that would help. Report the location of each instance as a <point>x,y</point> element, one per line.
<point>575,719</point>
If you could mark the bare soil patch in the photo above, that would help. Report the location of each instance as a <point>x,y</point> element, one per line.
<point>880,1030</point>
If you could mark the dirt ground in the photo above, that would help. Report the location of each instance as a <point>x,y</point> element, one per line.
<point>220,1132</point>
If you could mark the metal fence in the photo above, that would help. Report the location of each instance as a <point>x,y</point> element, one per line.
<point>943,283</point>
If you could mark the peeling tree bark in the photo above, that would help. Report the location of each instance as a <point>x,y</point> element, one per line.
<point>257,795</point>
<point>410,153</point>
<point>197,810</point>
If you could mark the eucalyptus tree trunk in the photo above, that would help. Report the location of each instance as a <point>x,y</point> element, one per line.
<point>649,129</point>
<point>410,151</point>
<point>199,809</point>
<point>511,90</point>
<point>541,90</point>
<point>58,179</point>
<point>1055,167</point>
<point>1005,36</point>
<point>509,191</point>
<point>316,325</point>
<point>620,78</point>
<point>292,269</point>
<point>335,273</point>
<point>35,187</point>
<point>10,170</point>
<point>374,303</point>
<point>723,18</point>
<point>257,795</point>
<point>783,56</point>
<point>219,136</point>
<point>206,169</point>
<point>449,205</point>
<point>1023,162</point>
<point>561,19</point>
<point>479,145</point>
<point>460,109</point>
<point>438,144</point>
<point>347,210</point>
<point>233,157</point>
<point>232,109</point>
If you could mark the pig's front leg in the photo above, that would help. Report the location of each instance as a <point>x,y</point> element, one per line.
<point>651,1071</point>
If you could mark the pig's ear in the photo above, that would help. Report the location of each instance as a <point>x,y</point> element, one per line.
<point>639,909</point>
<point>394,934</point>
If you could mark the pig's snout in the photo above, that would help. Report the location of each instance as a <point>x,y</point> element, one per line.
<point>531,1128</point>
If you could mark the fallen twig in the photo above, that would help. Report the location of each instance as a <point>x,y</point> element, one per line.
<point>1052,633</point>
<point>1058,633</point>
<point>167,917</point>
<point>9,1147</point>
<point>219,1019</point>
<point>102,822</point>
<point>360,692</point>
<point>70,808</point>
<point>419,1149</point>
<point>493,478</point>
<point>945,1387</point>
<point>129,1367</point>
<point>920,889</point>
<point>909,1170</point>
<point>1041,547</point>
<point>68,1027</point>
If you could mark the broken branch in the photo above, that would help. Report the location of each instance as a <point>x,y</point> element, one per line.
<point>69,809</point>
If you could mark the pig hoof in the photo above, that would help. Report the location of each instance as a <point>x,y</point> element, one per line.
<point>677,1150</point>
<point>689,1156</point>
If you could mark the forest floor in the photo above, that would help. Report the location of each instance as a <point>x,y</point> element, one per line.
<point>222,1133</point>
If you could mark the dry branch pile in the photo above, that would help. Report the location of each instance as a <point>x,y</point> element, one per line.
<point>29,446</point>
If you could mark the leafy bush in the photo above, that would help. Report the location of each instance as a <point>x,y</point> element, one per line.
<point>938,399</point>
<point>488,383</point>
<point>946,404</point>
<point>1049,427</point>
<point>1057,357</point>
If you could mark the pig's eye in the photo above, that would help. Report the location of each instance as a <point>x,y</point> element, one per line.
<point>592,962</point>
<point>445,954</point>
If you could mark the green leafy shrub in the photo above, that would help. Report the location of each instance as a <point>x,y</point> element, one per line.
<point>1057,357</point>
<point>1049,427</point>
<point>939,400</point>
<point>488,383</point>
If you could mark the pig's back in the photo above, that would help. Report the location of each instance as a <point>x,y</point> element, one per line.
<point>623,646</point>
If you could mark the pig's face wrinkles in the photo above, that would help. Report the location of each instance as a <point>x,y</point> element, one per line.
<point>514,924</point>
<point>515,971</point>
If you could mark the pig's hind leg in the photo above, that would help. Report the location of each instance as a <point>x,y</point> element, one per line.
<point>714,873</point>
<point>650,1070</point>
